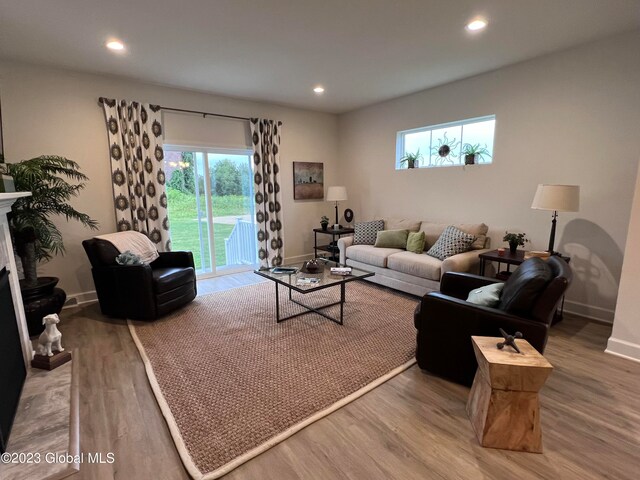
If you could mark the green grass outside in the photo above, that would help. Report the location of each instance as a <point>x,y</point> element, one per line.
<point>182,205</point>
<point>183,219</point>
<point>184,236</point>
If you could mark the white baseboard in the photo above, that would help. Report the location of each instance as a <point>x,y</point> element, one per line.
<point>82,298</point>
<point>624,349</point>
<point>298,258</point>
<point>589,311</point>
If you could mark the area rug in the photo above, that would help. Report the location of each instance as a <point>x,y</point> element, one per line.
<point>232,383</point>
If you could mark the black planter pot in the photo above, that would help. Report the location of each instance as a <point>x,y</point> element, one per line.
<point>324,226</point>
<point>470,159</point>
<point>513,247</point>
<point>41,300</point>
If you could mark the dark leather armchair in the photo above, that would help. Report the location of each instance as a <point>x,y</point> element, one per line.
<point>140,292</point>
<point>446,321</point>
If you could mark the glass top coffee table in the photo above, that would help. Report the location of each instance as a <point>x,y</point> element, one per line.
<point>325,279</point>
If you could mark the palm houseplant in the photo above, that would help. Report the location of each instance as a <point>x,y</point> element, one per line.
<point>474,152</point>
<point>52,181</point>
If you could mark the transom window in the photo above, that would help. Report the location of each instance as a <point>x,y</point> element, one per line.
<point>445,145</point>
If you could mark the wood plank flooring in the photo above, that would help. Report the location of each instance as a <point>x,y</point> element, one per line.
<point>412,427</point>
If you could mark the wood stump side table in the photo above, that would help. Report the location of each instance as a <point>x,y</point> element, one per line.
<point>503,404</point>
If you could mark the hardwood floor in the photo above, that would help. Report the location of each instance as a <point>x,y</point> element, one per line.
<point>412,427</point>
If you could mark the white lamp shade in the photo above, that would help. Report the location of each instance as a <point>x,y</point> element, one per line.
<point>336,194</point>
<point>561,198</point>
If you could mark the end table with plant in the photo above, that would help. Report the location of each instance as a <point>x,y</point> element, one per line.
<point>515,240</point>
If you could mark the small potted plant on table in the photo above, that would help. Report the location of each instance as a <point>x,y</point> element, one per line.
<point>324,222</point>
<point>473,152</point>
<point>515,240</point>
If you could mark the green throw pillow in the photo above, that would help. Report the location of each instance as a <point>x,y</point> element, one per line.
<point>487,296</point>
<point>415,242</point>
<point>392,239</point>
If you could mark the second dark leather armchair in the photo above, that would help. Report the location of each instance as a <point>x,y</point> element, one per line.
<point>140,292</point>
<point>446,321</point>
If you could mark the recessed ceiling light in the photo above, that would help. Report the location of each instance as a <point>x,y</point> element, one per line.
<point>115,45</point>
<point>477,24</point>
<point>318,90</point>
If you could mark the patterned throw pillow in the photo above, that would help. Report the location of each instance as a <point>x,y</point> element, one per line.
<point>366,232</point>
<point>451,242</point>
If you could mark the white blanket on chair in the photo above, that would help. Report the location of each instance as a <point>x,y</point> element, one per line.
<point>135,242</point>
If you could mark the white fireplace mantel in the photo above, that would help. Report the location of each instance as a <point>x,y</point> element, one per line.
<point>8,259</point>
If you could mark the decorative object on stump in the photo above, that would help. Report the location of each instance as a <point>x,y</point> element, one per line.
<point>503,404</point>
<point>50,341</point>
<point>515,240</point>
<point>37,238</point>
<point>509,340</point>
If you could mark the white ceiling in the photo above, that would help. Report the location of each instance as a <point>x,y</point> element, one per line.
<point>362,51</point>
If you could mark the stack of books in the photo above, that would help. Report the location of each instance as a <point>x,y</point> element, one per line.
<point>536,253</point>
<point>344,271</point>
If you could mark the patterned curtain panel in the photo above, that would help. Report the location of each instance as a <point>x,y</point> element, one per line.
<point>137,174</point>
<point>265,136</point>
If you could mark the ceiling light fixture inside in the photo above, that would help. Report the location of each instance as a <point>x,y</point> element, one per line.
<point>476,25</point>
<point>318,90</point>
<point>115,45</point>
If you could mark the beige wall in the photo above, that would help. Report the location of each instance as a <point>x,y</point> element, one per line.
<point>625,338</point>
<point>50,111</point>
<point>570,117</point>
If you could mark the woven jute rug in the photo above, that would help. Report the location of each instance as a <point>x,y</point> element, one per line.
<point>232,383</point>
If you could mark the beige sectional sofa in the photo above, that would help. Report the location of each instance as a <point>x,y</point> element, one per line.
<point>412,272</point>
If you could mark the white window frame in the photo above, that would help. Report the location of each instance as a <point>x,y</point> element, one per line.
<point>176,147</point>
<point>400,136</point>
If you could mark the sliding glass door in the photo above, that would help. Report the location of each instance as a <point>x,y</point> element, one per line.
<point>211,209</point>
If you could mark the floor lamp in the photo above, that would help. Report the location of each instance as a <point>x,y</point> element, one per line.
<point>556,198</point>
<point>336,194</point>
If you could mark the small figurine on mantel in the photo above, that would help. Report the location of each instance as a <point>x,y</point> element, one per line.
<point>509,340</point>
<point>50,341</point>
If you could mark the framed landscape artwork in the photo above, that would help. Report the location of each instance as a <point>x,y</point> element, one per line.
<point>308,181</point>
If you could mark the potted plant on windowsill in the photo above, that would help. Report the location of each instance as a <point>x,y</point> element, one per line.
<point>515,240</point>
<point>37,238</point>
<point>411,159</point>
<point>473,152</point>
<point>324,222</point>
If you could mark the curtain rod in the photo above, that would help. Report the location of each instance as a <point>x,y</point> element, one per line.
<point>198,112</point>
<point>204,114</point>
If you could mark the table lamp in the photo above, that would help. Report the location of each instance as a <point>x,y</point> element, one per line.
<point>336,194</point>
<point>557,198</point>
